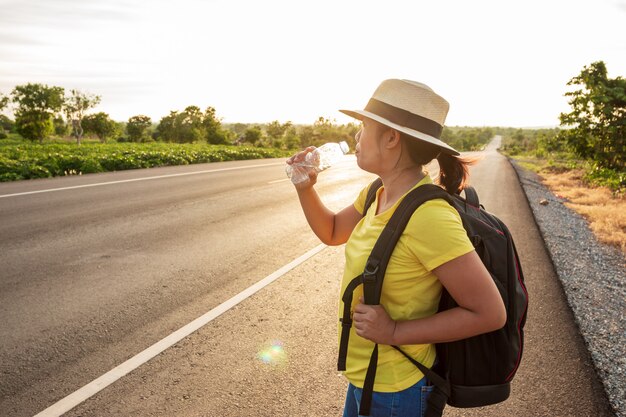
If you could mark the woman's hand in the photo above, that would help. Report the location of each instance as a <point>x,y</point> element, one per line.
<point>373,323</point>
<point>312,173</point>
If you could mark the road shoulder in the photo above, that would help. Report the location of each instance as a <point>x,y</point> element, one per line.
<point>593,279</point>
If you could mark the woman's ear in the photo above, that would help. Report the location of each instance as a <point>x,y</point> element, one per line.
<point>392,138</point>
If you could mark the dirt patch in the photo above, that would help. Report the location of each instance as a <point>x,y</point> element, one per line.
<point>605,212</point>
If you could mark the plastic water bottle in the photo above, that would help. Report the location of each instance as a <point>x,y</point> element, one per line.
<point>319,159</point>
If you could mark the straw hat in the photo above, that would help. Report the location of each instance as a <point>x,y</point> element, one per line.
<point>409,107</point>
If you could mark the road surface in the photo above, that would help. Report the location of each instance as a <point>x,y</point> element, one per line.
<point>101,267</point>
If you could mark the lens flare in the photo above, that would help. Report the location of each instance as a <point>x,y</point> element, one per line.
<point>273,353</point>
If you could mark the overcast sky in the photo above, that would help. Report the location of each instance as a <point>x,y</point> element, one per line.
<point>498,63</point>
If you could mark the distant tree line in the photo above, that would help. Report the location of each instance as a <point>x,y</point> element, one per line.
<point>539,142</point>
<point>467,138</point>
<point>42,112</point>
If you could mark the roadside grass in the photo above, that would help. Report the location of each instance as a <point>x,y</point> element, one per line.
<point>603,207</point>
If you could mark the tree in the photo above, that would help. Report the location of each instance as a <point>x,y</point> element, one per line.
<point>276,130</point>
<point>5,122</point>
<point>291,138</point>
<point>4,101</point>
<point>101,125</point>
<point>60,127</point>
<point>137,127</point>
<point>276,134</point>
<point>238,128</point>
<point>184,127</point>
<point>597,122</point>
<point>75,106</point>
<point>253,135</point>
<point>36,106</point>
<point>307,136</point>
<point>213,127</point>
<point>166,129</point>
<point>191,125</point>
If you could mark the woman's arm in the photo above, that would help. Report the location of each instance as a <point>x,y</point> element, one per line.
<point>480,309</point>
<point>331,228</point>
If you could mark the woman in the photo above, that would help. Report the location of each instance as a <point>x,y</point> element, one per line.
<point>400,131</point>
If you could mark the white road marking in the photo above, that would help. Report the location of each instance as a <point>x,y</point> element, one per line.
<point>277,181</point>
<point>138,179</point>
<point>77,397</point>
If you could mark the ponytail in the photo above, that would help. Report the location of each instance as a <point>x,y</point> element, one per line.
<point>453,170</point>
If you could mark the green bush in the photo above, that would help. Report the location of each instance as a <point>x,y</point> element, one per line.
<point>607,177</point>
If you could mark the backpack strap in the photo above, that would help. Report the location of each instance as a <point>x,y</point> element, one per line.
<point>371,194</point>
<point>376,264</point>
<point>346,322</point>
<point>376,267</point>
<point>439,396</point>
<point>471,197</point>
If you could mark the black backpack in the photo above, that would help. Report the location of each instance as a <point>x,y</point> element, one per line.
<point>472,372</point>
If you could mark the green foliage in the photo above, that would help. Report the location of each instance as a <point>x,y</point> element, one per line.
<point>238,128</point>
<point>215,134</point>
<point>275,130</point>
<point>467,138</point>
<point>598,118</point>
<point>184,127</point>
<point>36,106</point>
<point>60,127</point>
<point>6,124</point>
<point>546,148</point>
<point>75,106</point>
<point>101,125</point>
<point>540,143</point>
<point>326,130</point>
<point>281,135</point>
<point>4,101</point>
<point>34,125</point>
<point>277,135</point>
<point>613,179</point>
<point>38,97</point>
<point>252,135</point>
<point>291,140</point>
<point>21,160</point>
<point>192,125</point>
<point>137,128</point>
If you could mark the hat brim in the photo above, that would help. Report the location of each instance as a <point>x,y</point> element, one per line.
<point>360,114</point>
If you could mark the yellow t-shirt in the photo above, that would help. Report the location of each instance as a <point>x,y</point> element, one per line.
<point>433,236</point>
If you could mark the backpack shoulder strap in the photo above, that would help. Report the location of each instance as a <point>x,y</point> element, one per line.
<point>379,257</point>
<point>371,194</point>
<point>471,196</point>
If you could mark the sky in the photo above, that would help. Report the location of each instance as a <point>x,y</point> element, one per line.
<point>498,62</point>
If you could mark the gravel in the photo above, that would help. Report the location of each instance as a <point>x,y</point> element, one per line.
<point>593,276</point>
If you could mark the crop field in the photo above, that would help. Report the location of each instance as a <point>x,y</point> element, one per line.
<point>23,160</point>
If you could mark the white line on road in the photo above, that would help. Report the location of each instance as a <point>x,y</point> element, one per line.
<point>77,397</point>
<point>277,181</point>
<point>138,179</point>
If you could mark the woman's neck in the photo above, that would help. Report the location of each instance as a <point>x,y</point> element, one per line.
<point>396,183</point>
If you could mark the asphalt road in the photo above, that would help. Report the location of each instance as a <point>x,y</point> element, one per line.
<point>92,275</point>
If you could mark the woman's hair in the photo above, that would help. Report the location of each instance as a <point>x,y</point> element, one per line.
<point>453,170</point>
